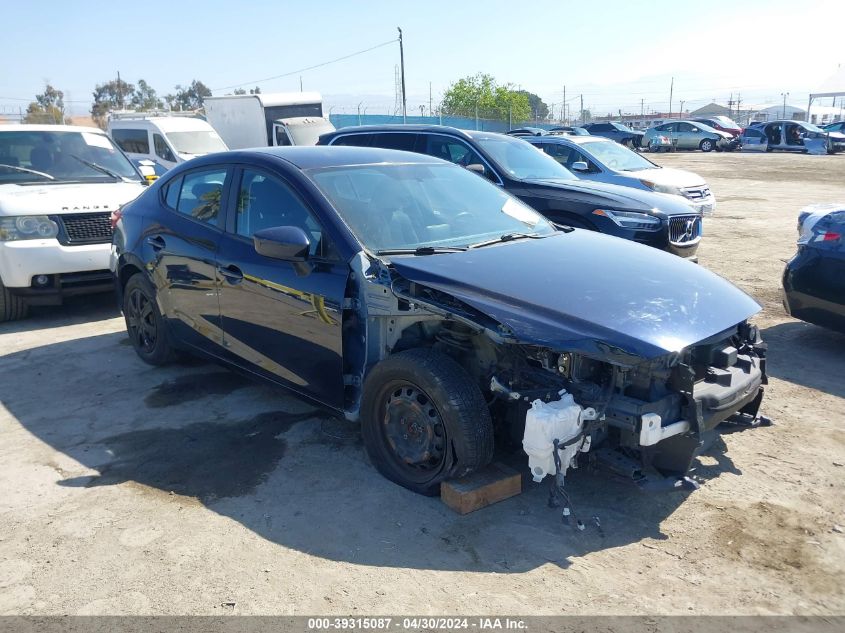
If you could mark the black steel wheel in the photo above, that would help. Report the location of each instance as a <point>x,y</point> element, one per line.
<point>424,420</point>
<point>144,323</point>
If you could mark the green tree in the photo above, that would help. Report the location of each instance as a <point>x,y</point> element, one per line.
<point>108,96</point>
<point>145,98</point>
<point>48,107</point>
<point>539,109</point>
<point>482,95</point>
<point>188,97</point>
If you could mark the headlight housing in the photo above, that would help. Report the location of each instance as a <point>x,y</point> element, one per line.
<point>27,227</point>
<point>676,191</point>
<point>631,219</point>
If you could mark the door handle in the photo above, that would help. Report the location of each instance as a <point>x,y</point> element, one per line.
<point>232,273</point>
<point>157,242</point>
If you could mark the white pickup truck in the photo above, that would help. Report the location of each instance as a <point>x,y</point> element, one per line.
<point>58,187</point>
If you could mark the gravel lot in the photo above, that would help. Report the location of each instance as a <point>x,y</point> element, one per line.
<point>189,490</point>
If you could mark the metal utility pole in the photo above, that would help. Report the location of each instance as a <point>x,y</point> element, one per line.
<point>582,109</point>
<point>563,108</point>
<point>681,113</point>
<point>402,65</point>
<point>671,89</point>
<point>300,83</point>
<point>359,112</point>
<point>642,107</point>
<point>119,91</point>
<point>476,115</point>
<point>783,114</point>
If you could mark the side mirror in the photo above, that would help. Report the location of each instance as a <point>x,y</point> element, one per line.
<point>286,243</point>
<point>477,168</point>
<point>580,166</point>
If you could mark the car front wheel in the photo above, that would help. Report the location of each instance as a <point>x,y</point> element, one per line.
<point>424,420</point>
<point>12,306</point>
<point>144,323</point>
<point>706,145</point>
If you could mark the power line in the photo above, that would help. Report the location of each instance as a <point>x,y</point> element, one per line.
<point>302,70</point>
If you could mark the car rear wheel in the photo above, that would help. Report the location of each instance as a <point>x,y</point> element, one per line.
<point>706,145</point>
<point>424,420</point>
<point>12,306</point>
<point>144,323</point>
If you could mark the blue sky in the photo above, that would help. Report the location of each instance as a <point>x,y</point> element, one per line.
<point>616,53</point>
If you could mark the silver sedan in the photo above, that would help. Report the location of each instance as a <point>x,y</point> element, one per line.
<point>686,135</point>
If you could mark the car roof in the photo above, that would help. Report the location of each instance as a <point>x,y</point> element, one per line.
<point>41,127</point>
<point>313,157</point>
<point>163,123</point>
<point>397,127</point>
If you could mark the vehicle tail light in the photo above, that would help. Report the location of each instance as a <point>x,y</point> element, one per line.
<point>115,216</point>
<point>831,236</point>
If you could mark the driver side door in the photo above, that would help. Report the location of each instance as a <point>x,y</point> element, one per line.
<point>281,320</point>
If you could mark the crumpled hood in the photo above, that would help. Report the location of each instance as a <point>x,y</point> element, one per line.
<point>583,291</point>
<point>52,199</point>
<point>610,196</point>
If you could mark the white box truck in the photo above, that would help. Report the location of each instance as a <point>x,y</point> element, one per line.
<point>266,120</point>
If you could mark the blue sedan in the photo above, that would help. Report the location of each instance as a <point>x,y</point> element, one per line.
<point>416,297</point>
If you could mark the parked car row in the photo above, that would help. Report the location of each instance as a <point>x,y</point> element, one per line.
<point>791,136</point>
<point>451,290</point>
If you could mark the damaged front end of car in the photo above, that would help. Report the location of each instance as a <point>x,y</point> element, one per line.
<point>615,380</point>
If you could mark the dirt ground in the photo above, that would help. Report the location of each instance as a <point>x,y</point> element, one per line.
<point>188,490</point>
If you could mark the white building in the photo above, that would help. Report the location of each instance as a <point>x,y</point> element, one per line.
<point>819,114</point>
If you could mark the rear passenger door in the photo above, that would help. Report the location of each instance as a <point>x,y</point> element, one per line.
<point>180,249</point>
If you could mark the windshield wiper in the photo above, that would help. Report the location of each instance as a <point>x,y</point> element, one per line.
<point>28,171</point>
<point>99,168</point>
<point>422,250</point>
<point>509,237</point>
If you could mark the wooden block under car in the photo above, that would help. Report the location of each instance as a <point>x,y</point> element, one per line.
<point>481,488</point>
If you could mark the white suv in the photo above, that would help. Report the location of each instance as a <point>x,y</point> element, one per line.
<point>58,187</point>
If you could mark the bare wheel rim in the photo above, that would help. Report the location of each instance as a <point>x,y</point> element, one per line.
<point>140,320</point>
<point>413,431</point>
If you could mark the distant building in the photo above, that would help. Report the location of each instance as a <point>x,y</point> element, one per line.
<point>711,109</point>
<point>819,115</point>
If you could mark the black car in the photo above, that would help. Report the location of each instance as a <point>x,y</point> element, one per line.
<point>655,219</point>
<point>814,279</point>
<point>616,131</point>
<point>435,308</point>
<point>527,131</point>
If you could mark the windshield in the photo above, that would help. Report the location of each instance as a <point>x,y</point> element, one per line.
<point>28,156</point>
<point>622,127</point>
<point>812,128</point>
<point>308,134</point>
<point>197,142</point>
<point>522,160</point>
<point>409,206</point>
<point>616,156</point>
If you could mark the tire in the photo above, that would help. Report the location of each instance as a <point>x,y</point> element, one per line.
<point>706,145</point>
<point>144,323</point>
<point>12,306</point>
<point>423,420</point>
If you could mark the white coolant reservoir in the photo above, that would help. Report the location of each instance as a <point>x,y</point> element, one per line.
<point>546,422</point>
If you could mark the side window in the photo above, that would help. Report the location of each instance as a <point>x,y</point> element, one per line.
<point>200,194</point>
<point>356,140</point>
<point>559,152</point>
<point>684,127</point>
<point>265,202</point>
<point>162,150</point>
<point>171,193</point>
<point>452,150</point>
<point>132,141</point>
<point>397,140</point>
<point>282,139</point>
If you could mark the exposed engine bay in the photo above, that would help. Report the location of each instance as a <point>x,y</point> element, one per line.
<point>642,419</point>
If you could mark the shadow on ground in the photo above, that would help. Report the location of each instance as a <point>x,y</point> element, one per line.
<point>807,355</point>
<point>289,472</point>
<point>74,310</point>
